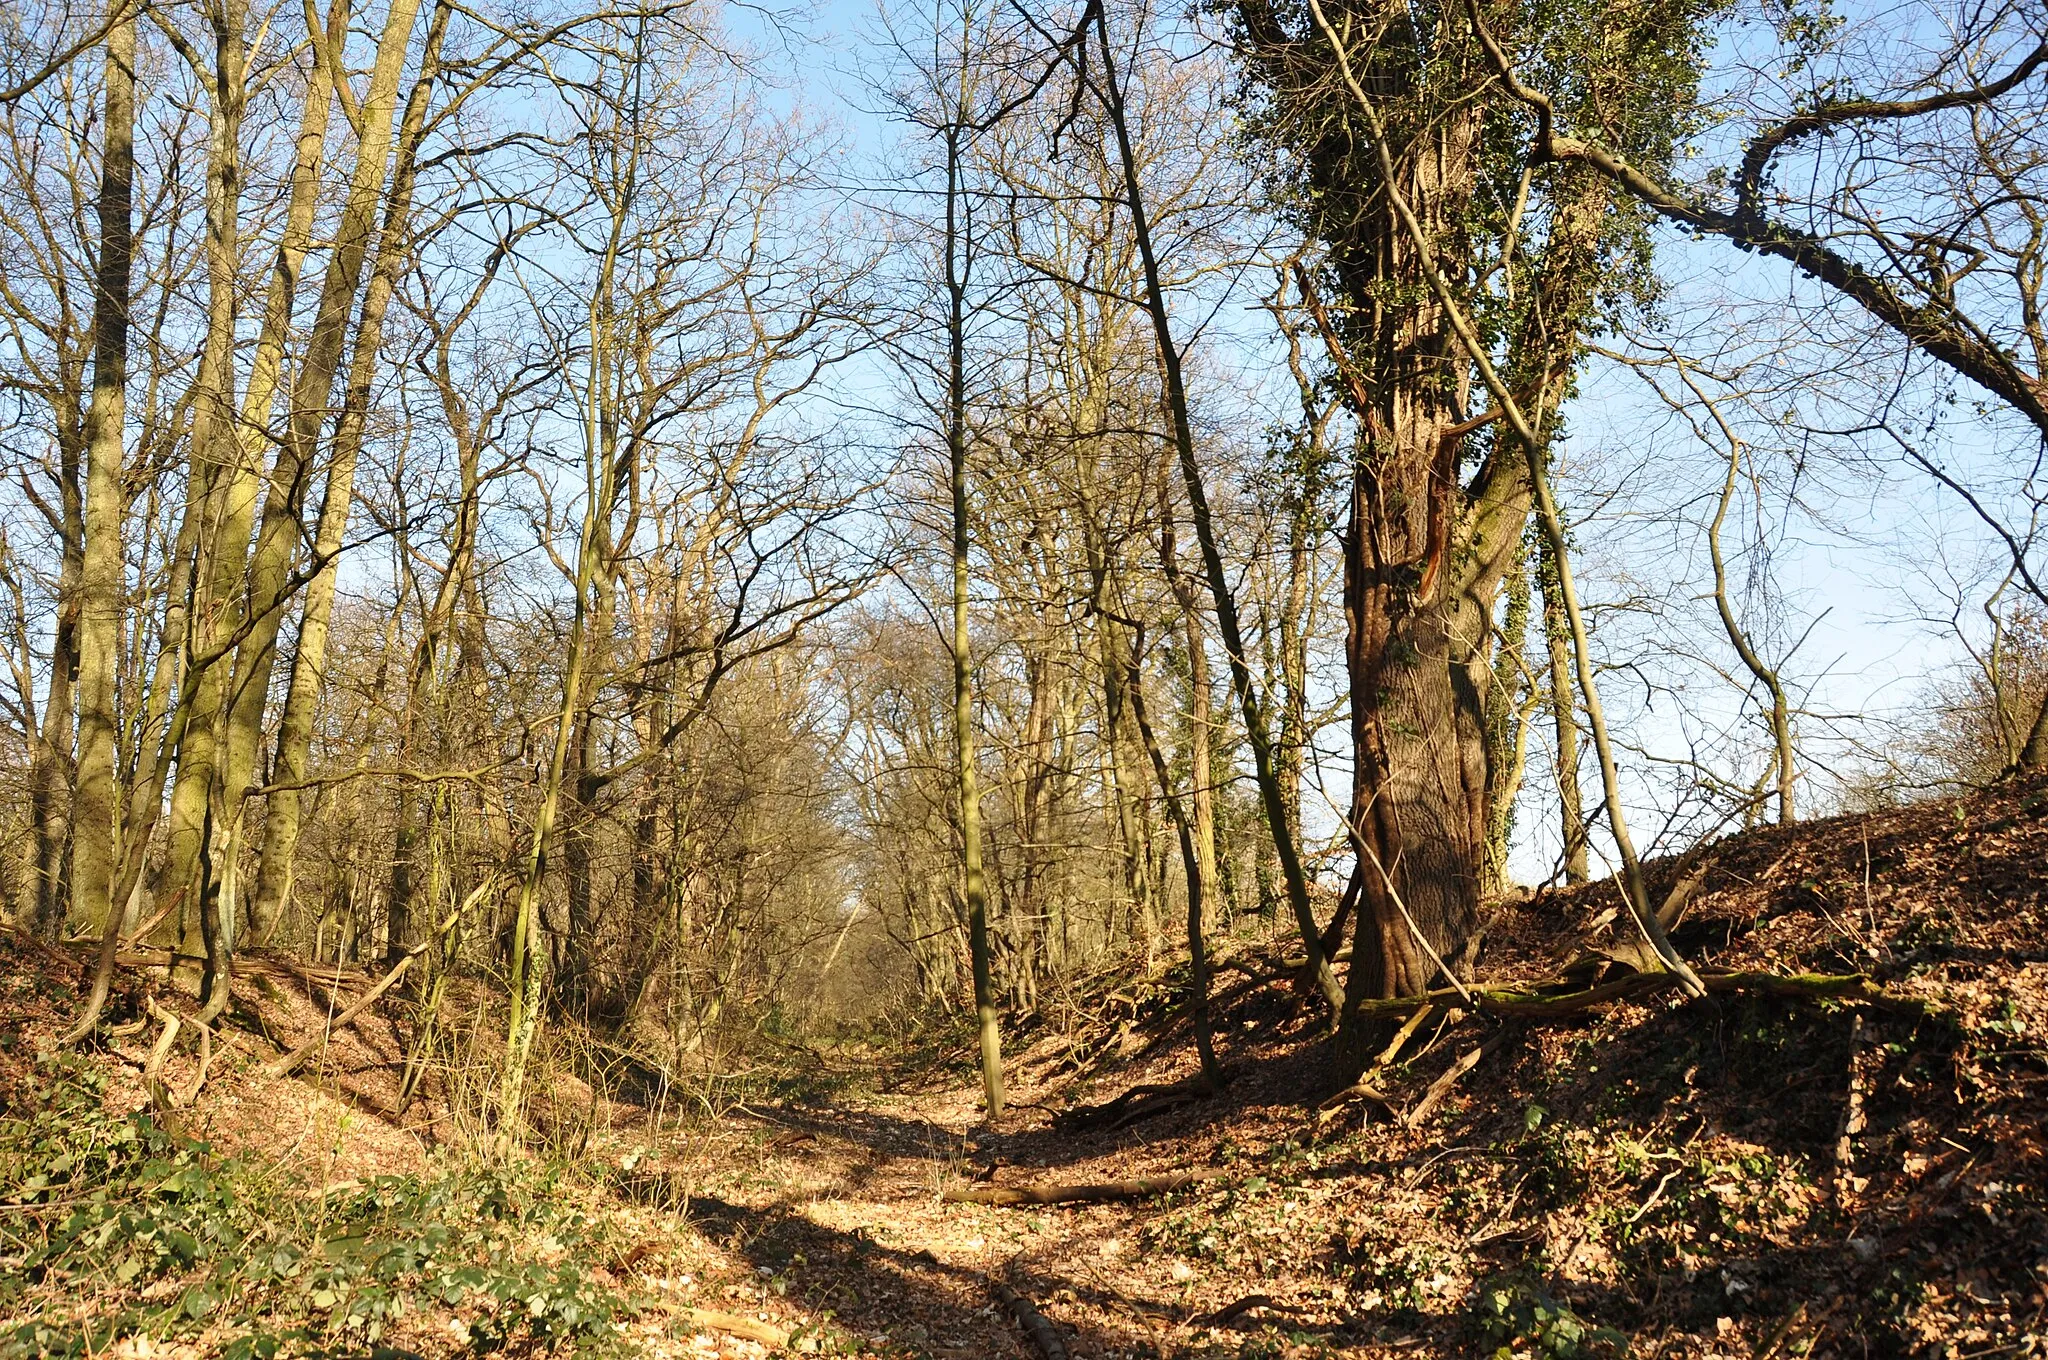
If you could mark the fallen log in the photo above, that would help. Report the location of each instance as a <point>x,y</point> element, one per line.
<point>1143,1187</point>
<point>1036,1325</point>
<point>1558,998</point>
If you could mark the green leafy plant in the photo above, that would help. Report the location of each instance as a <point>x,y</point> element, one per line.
<point>1523,1321</point>
<point>170,1239</point>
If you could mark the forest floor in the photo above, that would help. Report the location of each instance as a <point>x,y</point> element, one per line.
<point>1744,1176</point>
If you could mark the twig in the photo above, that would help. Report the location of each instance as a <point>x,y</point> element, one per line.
<point>1538,1001</point>
<point>285,1065</point>
<point>1655,1195</point>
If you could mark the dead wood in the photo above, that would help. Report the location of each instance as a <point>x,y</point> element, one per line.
<point>1143,1187</point>
<point>1560,998</point>
<point>1358,1090</point>
<point>1441,1087</point>
<point>284,1066</point>
<point>1852,1111</point>
<point>1036,1325</point>
<point>1231,1312</point>
<point>753,1329</point>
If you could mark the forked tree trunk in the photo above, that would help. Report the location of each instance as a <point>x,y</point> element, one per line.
<point>289,768</point>
<point>278,538</point>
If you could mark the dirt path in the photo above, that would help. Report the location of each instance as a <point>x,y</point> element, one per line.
<point>835,1210</point>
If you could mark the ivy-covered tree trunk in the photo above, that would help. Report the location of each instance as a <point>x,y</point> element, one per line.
<point>1439,493</point>
<point>1424,555</point>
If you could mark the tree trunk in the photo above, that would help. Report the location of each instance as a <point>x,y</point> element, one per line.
<point>278,537</point>
<point>223,492</point>
<point>51,772</point>
<point>289,768</point>
<point>1564,716</point>
<point>1506,726</point>
<point>1419,587</point>
<point>102,579</point>
<point>1257,732</point>
<point>1200,874</point>
<point>974,891</point>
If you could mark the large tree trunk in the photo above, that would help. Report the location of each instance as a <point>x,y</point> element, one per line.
<point>102,578</point>
<point>1420,579</point>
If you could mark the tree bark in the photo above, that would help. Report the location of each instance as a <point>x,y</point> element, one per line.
<point>279,534</point>
<point>102,578</point>
<point>223,490</point>
<point>1564,717</point>
<point>973,888</point>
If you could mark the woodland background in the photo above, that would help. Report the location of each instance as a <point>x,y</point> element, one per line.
<point>726,524</point>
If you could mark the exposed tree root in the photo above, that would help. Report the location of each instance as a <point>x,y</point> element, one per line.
<point>1140,1102</point>
<point>1036,1325</point>
<point>1144,1187</point>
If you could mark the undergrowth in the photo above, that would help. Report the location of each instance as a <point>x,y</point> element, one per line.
<point>116,1226</point>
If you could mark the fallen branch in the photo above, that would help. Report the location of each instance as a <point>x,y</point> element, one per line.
<point>1144,1187</point>
<point>283,1066</point>
<point>1358,1090</point>
<point>1441,1087</point>
<point>753,1329</point>
<point>1036,1325</point>
<point>287,1064</point>
<point>1231,1312</point>
<point>1852,1112</point>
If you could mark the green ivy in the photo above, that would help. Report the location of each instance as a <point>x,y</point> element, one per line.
<point>185,1241</point>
